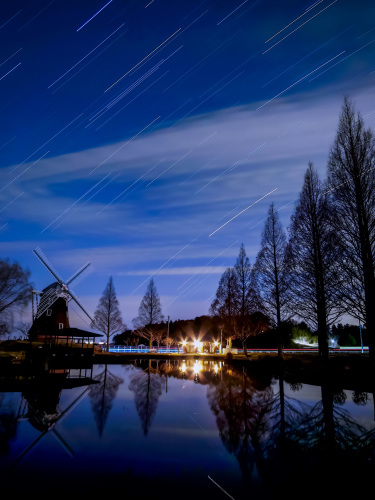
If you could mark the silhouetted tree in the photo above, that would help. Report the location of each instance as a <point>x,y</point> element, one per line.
<point>146,386</point>
<point>272,270</point>
<point>248,299</point>
<point>147,323</point>
<point>225,305</point>
<point>315,259</point>
<point>15,291</point>
<point>351,174</point>
<point>237,304</point>
<point>107,317</point>
<point>126,338</point>
<point>102,395</point>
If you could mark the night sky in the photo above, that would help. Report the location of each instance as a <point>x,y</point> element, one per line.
<point>150,137</point>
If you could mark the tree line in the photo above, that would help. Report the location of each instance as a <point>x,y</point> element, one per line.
<point>322,267</point>
<point>318,270</point>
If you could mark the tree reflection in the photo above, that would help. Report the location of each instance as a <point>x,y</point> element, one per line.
<point>147,387</point>
<point>102,396</point>
<point>284,440</point>
<point>322,442</point>
<point>240,407</point>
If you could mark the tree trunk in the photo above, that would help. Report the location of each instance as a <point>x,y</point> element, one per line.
<point>244,347</point>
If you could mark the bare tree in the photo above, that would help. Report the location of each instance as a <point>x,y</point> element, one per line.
<point>248,299</point>
<point>147,323</point>
<point>351,175</point>
<point>225,305</point>
<point>107,317</point>
<point>237,301</point>
<point>272,272</point>
<point>15,291</point>
<point>315,259</point>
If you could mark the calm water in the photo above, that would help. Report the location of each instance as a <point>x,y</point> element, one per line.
<point>161,429</point>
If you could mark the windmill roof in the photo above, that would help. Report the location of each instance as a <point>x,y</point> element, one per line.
<point>55,284</point>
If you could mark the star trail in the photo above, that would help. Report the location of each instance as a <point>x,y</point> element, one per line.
<point>142,136</point>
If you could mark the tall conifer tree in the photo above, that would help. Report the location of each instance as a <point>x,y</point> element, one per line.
<point>147,323</point>
<point>272,270</point>
<point>315,258</point>
<point>107,318</point>
<point>351,174</point>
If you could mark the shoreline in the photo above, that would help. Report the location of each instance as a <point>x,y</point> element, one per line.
<point>349,371</point>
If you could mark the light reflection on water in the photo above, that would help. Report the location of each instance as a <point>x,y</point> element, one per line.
<point>189,428</point>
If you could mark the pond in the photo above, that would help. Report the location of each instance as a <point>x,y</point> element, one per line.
<point>183,429</point>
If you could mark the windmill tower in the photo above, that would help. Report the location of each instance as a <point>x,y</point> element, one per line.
<point>52,308</point>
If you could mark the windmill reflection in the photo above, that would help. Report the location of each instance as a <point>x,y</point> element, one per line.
<point>40,404</point>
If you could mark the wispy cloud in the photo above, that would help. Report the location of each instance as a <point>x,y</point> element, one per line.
<point>170,220</point>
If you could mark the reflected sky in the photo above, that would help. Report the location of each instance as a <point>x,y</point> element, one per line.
<point>156,424</point>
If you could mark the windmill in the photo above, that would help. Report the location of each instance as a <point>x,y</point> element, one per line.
<point>52,307</point>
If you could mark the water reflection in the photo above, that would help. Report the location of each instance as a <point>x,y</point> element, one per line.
<point>102,395</point>
<point>210,426</point>
<point>38,403</point>
<point>241,409</point>
<point>147,390</point>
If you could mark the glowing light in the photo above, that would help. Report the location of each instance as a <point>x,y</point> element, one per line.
<point>183,367</point>
<point>216,368</point>
<point>197,367</point>
<point>184,343</point>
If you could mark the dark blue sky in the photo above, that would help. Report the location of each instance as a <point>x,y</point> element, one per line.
<point>135,135</point>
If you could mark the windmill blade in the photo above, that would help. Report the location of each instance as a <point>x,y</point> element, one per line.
<point>77,302</point>
<point>48,298</point>
<point>78,273</point>
<point>38,252</point>
<point>63,442</point>
<point>61,416</point>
